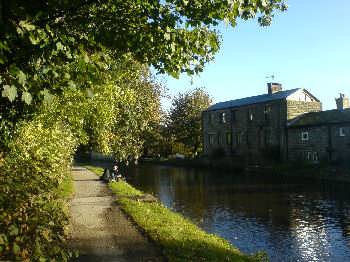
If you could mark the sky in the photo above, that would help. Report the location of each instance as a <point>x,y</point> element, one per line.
<point>308,46</point>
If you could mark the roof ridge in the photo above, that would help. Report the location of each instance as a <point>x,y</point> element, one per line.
<point>253,99</point>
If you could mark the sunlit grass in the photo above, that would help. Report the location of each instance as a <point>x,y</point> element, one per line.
<point>66,188</point>
<point>96,169</point>
<point>178,237</point>
<point>121,188</point>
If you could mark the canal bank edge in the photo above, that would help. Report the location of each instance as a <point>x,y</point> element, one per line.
<point>306,170</point>
<point>178,238</point>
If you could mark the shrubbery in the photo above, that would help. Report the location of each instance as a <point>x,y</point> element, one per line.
<point>32,216</point>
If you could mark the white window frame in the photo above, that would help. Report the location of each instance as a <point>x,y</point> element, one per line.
<point>250,115</point>
<point>305,136</point>
<point>342,131</point>
<point>309,156</point>
<point>223,117</point>
<point>211,138</point>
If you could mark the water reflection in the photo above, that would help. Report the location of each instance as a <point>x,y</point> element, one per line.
<point>291,219</point>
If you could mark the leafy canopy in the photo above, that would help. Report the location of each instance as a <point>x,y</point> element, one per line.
<point>38,39</point>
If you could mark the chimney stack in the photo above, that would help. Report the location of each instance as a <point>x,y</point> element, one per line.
<point>342,102</point>
<point>274,88</point>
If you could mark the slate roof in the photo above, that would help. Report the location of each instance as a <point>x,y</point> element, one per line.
<point>253,100</point>
<point>321,118</point>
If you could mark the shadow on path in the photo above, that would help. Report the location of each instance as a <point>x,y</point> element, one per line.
<point>99,230</point>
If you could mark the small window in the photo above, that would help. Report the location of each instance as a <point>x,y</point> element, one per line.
<point>211,118</point>
<point>223,117</point>
<point>219,139</point>
<point>315,156</point>
<point>309,156</point>
<point>233,115</point>
<point>229,138</point>
<point>342,131</point>
<point>305,136</point>
<point>239,139</point>
<point>267,111</point>
<point>211,139</point>
<point>250,115</point>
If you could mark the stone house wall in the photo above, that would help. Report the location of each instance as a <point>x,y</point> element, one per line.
<point>297,108</point>
<point>251,128</point>
<point>325,143</point>
<point>255,131</point>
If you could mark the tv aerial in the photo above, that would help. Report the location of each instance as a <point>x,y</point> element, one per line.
<point>271,77</point>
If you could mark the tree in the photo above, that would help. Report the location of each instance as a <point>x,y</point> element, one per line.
<point>185,122</point>
<point>76,72</point>
<point>51,46</point>
<point>39,39</point>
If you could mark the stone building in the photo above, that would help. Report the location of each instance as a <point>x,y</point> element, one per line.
<point>321,135</point>
<point>255,126</point>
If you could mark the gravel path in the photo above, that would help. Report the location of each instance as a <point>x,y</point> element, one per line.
<point>99,230</point>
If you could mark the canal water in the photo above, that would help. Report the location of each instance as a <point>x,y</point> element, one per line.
<point>290,219</point>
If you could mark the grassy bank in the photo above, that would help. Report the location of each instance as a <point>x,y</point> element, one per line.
<point>66,188</point>
<point>178,237</point>
<point>96,169</point>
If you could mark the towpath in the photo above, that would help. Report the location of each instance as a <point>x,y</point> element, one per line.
<point>99,230</point>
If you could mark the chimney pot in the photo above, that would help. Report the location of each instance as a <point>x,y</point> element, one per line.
<point>342,102</point>
<point>274,88</point>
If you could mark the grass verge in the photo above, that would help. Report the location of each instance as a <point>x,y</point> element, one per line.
<point>66,188</point>
<point>96,169</point>
<point>123,189</point>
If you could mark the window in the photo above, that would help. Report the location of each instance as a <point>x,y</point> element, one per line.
<point>315,156</point>
<point>229,138</point>
<point>250,115</point>
<point>219,139</point>
<point>309,156</point>
<point>239,139</point>
<point>211,139</point>
<point>223,117</point>
<point>211,118</point>
<point>247,139</point>
<point>233,115</point>
<point>267,111</point>
<point>305,136</point>
<point>342,131</point>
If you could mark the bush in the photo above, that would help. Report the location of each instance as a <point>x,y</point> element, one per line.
<point>32,215</point>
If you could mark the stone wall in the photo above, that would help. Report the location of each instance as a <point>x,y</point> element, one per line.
<point>298,149</point>
<point>253,129</point>
<point>256,131</point>
<point>324,144</point>
<point>340,145</point>
<point>297,108</point>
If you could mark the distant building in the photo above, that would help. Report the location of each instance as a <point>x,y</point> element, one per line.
<point>321,135</point>
<point>256,126</point>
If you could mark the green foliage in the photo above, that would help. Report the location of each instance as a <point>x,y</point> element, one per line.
<point>174,36</point>
<point>185,122</point>
<point>32,216</point>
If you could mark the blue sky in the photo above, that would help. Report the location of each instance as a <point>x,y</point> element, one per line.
<point>307,46</point>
